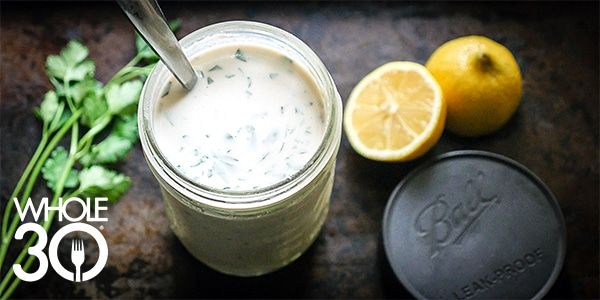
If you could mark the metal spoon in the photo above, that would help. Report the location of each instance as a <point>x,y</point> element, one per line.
<point>149,20</point>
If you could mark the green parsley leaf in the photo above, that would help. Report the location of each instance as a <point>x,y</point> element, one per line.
<point>54,167</point>
<point>116,145</point>
<point>94,107</point>
<point>56,66</point>
<point>81,71</point>
<point>126,128</point>
<point>110,150</point>
<point>83,88</point>
<point>122,99</point>
<point>74,53</point>
<point>97,181</point>
<point>48,107</point>
<point>70,65</point>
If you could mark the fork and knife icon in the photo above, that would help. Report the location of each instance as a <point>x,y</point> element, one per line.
<point>77,257</point>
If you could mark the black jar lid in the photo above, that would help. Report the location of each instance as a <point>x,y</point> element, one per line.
<point>473,224</point>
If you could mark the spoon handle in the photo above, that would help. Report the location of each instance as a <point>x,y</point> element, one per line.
<point>148,19</point>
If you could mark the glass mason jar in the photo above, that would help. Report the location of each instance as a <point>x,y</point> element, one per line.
<point>247,233</point>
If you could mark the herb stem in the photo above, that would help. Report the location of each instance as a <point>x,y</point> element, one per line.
<point>10,272</point>
<point>46,225</point>
<point>74,138</point>
<point>89,136</point>
<point>22,180</point>
<point>128,76</point>
<point>7,210</point>
<point>68,95</point>
<point>85,148</point>
<point>32,179</point>
<point>130,71</point>
<point>134,61</point>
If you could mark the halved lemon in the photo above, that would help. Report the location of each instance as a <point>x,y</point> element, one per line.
<point>396,113</point>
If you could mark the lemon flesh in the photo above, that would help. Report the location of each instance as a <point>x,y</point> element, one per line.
<point>396,113</point>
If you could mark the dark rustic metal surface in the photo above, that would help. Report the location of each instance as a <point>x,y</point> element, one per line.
<point>554,133</point>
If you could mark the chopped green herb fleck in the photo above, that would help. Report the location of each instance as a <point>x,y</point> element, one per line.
<point>248,93</point>
<point>228,136</point>
<point>229,76</point>
<point>209,80</point>
<point>166,90</point>
<point>239,55</point>
<point>249,81</point>
<point>201,161</point>
<point>215,68</point>
<point>288,60</point>
<point>264,156</point>
<point>273,75</point>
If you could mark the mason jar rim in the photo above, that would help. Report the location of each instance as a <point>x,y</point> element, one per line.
<point>207,196</point>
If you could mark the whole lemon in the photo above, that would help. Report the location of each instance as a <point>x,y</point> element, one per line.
<point>481,82</point>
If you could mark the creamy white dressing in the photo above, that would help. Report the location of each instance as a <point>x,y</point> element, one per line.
<point>253,119</point>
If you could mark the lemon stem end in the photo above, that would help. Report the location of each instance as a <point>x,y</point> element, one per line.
<point>485,63</point>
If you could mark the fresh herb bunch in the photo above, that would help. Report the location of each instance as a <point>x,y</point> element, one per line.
<point>82,105</point>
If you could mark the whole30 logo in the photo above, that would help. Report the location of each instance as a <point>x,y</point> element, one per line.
<point>90,212</point>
